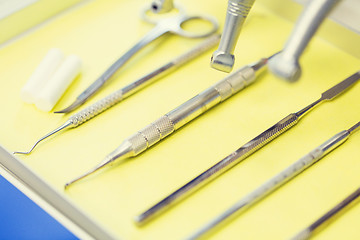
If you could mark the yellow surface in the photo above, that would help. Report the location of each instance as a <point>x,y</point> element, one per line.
<point>99,33</point>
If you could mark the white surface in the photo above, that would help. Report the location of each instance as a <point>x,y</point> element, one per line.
<point>8,7</point>
<point>41,75</point>
<point>58,83</point>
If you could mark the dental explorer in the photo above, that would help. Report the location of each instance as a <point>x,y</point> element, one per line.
<point>237,11</point>
<point>175,119</point>
<point>170,24</point>
<point>286,64</point>
<point>279,180</point>
<point>243,152</point>
<point>117,96</point>
<point>327,217</point>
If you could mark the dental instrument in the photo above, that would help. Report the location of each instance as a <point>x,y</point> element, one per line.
<point>175,119</point>
<point>243,152</point>
<point>171,24</point>
<point>286,64</point>
<point>327,217</point>
<point>237,11</point>
<point>279,180</point>
<point>100,106</point>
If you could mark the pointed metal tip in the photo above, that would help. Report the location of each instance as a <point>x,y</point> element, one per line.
<point>28,152</point>
<point>65,125</point>
<point>21,152</point>
<point>101,165</point>
<point>72,107</point>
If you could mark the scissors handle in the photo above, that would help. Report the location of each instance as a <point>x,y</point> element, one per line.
<point>174,24</point>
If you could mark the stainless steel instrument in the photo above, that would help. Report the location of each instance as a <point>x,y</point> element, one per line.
<point>175,119</point>
<point>114,98</point>
<point>327,217</point>
<point>237,11</point>
<point>243,152</point>
<point>279,180</point>
<point>170,24</point>
<point>286,64</point>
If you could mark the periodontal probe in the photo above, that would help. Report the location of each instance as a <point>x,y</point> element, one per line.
<point>103,104</point>
<point>243,152</point>
<point>279,180</point>
<point>175,119</point>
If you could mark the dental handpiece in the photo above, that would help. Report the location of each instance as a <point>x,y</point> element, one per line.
<point>102,105</point>
<point>327,217</point>
<point>223,58</point>
<point>279,180</point>
<point>175,119</point>
<point>242,153</point>
<point>286,64</point>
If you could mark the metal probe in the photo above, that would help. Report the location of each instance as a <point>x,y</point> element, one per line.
<point>325,219</point>
<point>237,11</point>
<point>243,152</point>
<point>117,96</point>
<point>279,180</point>
<point>175,119</point>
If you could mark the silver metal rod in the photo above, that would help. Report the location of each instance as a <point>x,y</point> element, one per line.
<point>327,217</point>
<point>242,153</point>
<point>276,182</point>
<point>114,98</point>
<point>175,119</point>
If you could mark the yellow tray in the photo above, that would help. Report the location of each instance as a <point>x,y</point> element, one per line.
<point>101,31</point>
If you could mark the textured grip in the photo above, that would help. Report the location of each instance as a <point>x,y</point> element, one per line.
<point>235,82</point>
<point>240,7</point>
<point>243,152</point>
<point>222,166</point>
<point>151,134</point>
<point>97,108</point>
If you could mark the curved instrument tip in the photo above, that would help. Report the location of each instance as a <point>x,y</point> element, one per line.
<point>72,107</point>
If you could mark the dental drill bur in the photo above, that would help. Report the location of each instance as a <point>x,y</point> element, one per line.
<point>117,96</point>
<point>243,152</point>
<point>175,119</point>
<point>279,180</point>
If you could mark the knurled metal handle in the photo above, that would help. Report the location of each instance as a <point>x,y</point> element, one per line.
<point>96,108</point>
<point>151,134</point>
<point>235,82</point>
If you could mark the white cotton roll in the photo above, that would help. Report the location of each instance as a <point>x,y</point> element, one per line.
<point>41,75</point>
<point>58,83</point>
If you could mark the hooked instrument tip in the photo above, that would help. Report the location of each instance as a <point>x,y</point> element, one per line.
<point>65,125</point>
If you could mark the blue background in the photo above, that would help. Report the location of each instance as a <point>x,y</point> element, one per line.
<point>21,218</point>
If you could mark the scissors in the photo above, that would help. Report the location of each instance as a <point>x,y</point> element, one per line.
<point>171,24</point>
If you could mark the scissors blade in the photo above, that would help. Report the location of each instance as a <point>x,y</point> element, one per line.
<point>74,105</point>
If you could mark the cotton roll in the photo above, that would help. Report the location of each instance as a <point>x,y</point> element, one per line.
<point>58,83</point>
<point>41,75</point>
